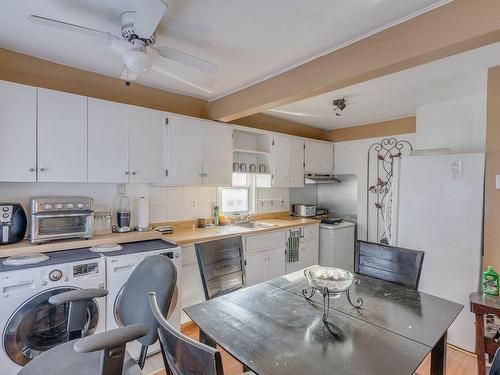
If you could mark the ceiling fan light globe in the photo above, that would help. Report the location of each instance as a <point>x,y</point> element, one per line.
<point>137,61</point>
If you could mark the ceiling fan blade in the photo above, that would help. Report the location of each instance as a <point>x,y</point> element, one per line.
<point>187,59</point>
<point>72,27</point>
<point>165,72</point>
<point>127,75</point>
<point>148,16</point>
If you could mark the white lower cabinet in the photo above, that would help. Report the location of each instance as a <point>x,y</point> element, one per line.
<point>308,249</point>
<point>192,286</point>
<point>265,257</point>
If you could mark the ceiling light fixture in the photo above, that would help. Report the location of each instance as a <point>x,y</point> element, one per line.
<point>136,59</point>
<point>338,106</point>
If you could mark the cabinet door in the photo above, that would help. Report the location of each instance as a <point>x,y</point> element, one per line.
<point>108,141</point>
<point>257,267</point>
<point>296,162</point>
<point>318,157</point>
<point>183,155</point>
<point>281,161</point>
<point>17,132</point>
<point>62,137</point>
<point>217,154</point>
<point>309,253</point>
<point>145,145</point>
<point>276,262</point>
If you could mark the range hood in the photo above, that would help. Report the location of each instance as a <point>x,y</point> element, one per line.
<point>320,178</point>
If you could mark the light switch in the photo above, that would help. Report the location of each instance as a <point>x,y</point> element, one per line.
<point>498,181</point>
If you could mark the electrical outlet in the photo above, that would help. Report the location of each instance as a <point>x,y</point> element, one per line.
<point>121,189</point>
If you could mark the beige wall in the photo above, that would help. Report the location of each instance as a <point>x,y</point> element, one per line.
<point>379,129</point>
<point>492,195</point>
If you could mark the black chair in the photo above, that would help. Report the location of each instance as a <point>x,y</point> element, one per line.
<point>221,266</point>
<point>389,263</point>
<point>181,354</point>
<point>495,364</point>
<point>105,353</point>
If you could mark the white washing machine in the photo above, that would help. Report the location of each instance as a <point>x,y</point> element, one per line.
<point>30,325</point>
<point>119,267</point>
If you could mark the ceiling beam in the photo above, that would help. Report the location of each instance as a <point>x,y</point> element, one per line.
<point>453,28</point>
<point>404,125</point>
<point>278,125</point>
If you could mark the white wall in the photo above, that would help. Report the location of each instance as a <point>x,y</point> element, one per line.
<point>458,124</point>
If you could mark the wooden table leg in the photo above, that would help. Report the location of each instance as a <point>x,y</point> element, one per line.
<point>481,363</point>
<point>438,357</point>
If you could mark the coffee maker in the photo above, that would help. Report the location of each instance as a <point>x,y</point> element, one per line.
<point>13,223</point>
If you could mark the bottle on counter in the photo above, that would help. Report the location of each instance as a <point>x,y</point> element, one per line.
<point>123,214</point>
<point>216,215</point>
<point>490,282</point>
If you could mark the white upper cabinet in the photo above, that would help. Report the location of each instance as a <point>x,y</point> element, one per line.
<point>183,151</point>
<point>17,132</point>
<point>217,154</point>
<point>62,137</point>
<point>145,127</point>
<point>296,162</point>
<point>107,141</point>
<point>281,161</point>
<point>318,157</point>
<point>197,152</point>
<point>288,161</point>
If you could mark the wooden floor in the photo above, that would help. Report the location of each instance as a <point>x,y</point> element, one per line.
<point>458,362</point>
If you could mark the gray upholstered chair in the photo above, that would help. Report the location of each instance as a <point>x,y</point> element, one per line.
<point>105,353</point>
<point>181,354</point>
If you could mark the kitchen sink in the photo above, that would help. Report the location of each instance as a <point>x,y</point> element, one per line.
<point>253,224</point>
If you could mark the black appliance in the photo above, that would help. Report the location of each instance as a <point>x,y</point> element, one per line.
<point>12,223</point>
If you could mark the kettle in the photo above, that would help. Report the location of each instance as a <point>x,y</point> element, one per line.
<point>12,223</point>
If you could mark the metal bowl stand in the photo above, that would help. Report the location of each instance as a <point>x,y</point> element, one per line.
<point>326,298</point>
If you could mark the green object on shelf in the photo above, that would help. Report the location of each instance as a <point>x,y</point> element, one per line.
<point>490,282</point>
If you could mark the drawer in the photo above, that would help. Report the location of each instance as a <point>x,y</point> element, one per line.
<point>311,232</point>
<point>264,241</point>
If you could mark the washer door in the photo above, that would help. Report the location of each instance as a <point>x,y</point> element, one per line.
<point>37,326</point>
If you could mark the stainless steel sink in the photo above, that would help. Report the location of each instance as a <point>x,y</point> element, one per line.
<point>253,224</point>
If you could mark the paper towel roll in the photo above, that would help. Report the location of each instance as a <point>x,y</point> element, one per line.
<point>143,214</point>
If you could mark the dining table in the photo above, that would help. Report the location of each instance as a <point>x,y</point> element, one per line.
<point>271,328</point>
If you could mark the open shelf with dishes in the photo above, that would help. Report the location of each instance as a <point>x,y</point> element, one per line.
<point>251,152</point>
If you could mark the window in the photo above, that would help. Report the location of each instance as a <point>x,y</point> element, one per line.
<point>237,200</point>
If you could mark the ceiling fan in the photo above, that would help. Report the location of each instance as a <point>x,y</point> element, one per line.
<point>137,34</point>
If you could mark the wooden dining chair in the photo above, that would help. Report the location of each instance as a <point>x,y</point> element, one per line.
<point>221,266</point>
<point>181,354</point>
<point>389,263</point>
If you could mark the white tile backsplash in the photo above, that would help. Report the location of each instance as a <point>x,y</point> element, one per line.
<point>165,203</point>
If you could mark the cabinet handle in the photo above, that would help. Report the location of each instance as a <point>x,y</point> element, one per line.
<point>166,172</point>
<point>32,169</point>
<point>43,169</point>
<point>127,173</point>
<point>134,173</point>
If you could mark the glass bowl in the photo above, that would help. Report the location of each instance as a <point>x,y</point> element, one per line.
<point>335,280</point>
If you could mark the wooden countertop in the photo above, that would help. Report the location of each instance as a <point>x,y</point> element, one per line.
<point>185,236</point>
<point>181,236</point>
<point>25,247</point>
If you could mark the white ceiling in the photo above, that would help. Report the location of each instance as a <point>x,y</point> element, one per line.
<point>250,40</point>
<point>397,95</point>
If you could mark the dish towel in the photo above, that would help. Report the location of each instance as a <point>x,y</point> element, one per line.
<point>293,248</point>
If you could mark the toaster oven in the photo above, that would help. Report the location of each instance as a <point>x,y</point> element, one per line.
<point>56,218</point>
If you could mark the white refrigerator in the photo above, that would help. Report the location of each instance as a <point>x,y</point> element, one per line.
<point>437,207</point>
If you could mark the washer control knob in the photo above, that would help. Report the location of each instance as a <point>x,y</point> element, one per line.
<point>69,206</point>
<point>59,206</point>
<point>80,205</point>
<point>55,275</point>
